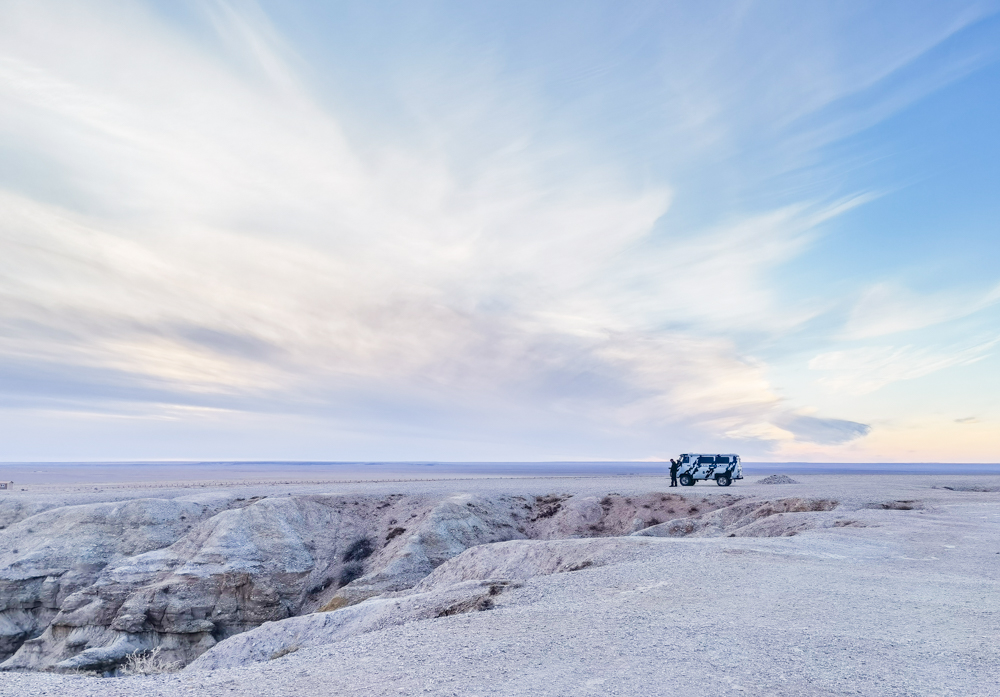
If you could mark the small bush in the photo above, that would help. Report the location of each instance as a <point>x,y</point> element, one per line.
<point>359,550</point>
<point>351,572</point>
<point>548,511</point>
<point>141,662</point>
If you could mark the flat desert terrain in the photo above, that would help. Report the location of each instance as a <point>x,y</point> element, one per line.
<point>572,585</point>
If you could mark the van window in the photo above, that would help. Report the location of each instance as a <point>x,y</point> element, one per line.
<point>706,460</point>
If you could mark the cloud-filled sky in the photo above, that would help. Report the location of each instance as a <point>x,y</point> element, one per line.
<point>500,230</point>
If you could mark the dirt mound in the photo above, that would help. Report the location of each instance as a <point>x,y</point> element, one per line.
<point>777,479</point>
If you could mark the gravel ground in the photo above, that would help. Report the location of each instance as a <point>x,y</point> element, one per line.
<point>901,600</point>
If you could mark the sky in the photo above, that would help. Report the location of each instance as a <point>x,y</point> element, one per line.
<point>499,231</point>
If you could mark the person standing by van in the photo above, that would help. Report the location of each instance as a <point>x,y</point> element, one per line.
<point>674,464</point>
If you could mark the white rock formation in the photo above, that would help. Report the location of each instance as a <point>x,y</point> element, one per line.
<point>48,557</point>
<point>84,586</point>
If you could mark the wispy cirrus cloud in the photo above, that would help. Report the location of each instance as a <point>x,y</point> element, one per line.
<point>864,370</point>
<point>186,224</point>
<point>887,308</point>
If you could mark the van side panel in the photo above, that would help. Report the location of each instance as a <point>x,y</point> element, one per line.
<point>702,467</point>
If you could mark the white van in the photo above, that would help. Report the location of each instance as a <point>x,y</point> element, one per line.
<point>722,468</point>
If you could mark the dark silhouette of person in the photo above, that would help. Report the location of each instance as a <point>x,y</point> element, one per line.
<point>674,464</point>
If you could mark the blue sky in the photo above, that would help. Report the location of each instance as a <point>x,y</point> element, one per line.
<point>499,231</point>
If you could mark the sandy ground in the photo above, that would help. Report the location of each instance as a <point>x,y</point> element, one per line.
<point>898,601</point>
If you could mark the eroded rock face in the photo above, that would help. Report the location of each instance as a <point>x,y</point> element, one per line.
<point>47,558</point>
<point>445,531</point>
<point>463,521</point>
<point>211,574</point>
<point>752,518</point>
<point>613,515</point>
<point>260,561</point>
<point>470,582</point>
<point>84,586</point>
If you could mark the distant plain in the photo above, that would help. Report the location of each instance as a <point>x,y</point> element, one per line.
<point>68,473</point>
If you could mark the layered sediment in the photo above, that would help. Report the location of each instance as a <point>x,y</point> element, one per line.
<point>82,587</point>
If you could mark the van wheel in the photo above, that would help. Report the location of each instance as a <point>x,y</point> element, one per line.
<point>687,480</point>
<point>723,480</point>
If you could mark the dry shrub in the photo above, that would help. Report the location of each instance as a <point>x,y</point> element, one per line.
<point>141,662</point>
<point>359,550</point>
<point>351,572</point>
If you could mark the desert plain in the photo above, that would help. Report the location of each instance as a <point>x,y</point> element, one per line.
<point>835,584</point>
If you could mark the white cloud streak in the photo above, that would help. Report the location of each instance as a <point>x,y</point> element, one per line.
<point>864,370</point>
<point>209,232</point>
<point>887,308</point>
